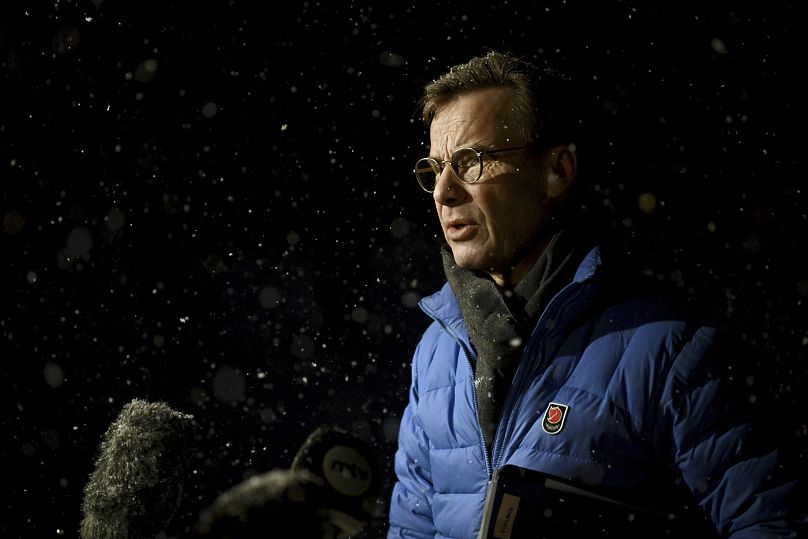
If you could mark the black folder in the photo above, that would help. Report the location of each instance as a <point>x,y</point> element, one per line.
<point>523,503</point>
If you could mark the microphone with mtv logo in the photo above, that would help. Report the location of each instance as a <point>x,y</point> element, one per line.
<point>349,471</point>
<point>330,491</point>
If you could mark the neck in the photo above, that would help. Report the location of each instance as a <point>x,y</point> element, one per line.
<point>511,276</point>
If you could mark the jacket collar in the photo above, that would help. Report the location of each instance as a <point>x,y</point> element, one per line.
<point>443,307</point>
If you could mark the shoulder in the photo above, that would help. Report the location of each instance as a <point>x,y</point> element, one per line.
<point>654,324</point>
<point>436,351</point>
<point>630,284</point>
<point>433,337</point>
<point>645,298</point>
<point>444,354</point>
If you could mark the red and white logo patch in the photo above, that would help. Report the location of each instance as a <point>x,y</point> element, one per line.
<point>554,418</point>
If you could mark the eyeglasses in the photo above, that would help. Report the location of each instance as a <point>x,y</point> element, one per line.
<point>466,165</point>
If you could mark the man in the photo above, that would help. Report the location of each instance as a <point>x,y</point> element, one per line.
<point>543,353</point>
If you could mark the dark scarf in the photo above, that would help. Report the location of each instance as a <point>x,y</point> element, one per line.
<point>500,321</point>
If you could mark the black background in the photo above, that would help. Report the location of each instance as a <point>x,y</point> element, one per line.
<point>211,204</point>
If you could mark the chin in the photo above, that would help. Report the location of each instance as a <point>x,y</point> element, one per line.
<point>468,260</point>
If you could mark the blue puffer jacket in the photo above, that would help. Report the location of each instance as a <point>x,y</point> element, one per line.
<point>645,407</point>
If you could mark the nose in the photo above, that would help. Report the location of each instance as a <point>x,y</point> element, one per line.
<point>449,191</point>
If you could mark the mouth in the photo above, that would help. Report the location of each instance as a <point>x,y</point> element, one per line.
<point>460,229</point>
<point>459,224</point>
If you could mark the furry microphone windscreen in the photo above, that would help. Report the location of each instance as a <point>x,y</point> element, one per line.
<point>136,485</point>
<point>280,503</point>
<point>330,492</point>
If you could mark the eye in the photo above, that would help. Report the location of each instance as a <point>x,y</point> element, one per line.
<point>463,159</point>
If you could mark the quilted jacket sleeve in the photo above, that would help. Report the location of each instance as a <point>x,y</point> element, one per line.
<point>739,474</point>
<point>411,502</point>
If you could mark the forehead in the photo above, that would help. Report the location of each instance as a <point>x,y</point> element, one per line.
<point>480,116</point>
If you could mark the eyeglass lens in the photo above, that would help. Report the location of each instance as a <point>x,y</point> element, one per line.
<point>465,164</point>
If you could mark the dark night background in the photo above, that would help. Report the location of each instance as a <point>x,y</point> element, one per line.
<point>211,204</point>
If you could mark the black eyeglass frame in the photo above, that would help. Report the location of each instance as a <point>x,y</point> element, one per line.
<point>440,165</point>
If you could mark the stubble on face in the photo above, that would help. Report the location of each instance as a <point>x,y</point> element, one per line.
<point>489,224</point>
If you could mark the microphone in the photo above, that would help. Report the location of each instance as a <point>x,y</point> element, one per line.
<point>330,492</point>
<point>277,503</point>
<point>136,485</point>
<point>348,469</point>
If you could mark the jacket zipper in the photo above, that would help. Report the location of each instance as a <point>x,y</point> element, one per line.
<point>488,458</point>
<point>466,352</point>
<point>521,375</point>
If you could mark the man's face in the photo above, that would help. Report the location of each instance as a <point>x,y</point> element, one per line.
<point>491,225</point>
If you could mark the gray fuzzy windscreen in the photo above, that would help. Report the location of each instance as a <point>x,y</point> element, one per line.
<point>135,487</point>
<point>278,503</point>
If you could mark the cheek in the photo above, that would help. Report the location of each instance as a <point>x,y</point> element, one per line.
<point>525,218</point>
<point>437,210</point>
<point>497,216</point>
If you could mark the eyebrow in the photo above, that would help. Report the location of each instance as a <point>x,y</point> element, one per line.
<point>478,147</point>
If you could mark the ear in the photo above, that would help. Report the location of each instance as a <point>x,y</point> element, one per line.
<point>562,166</point>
